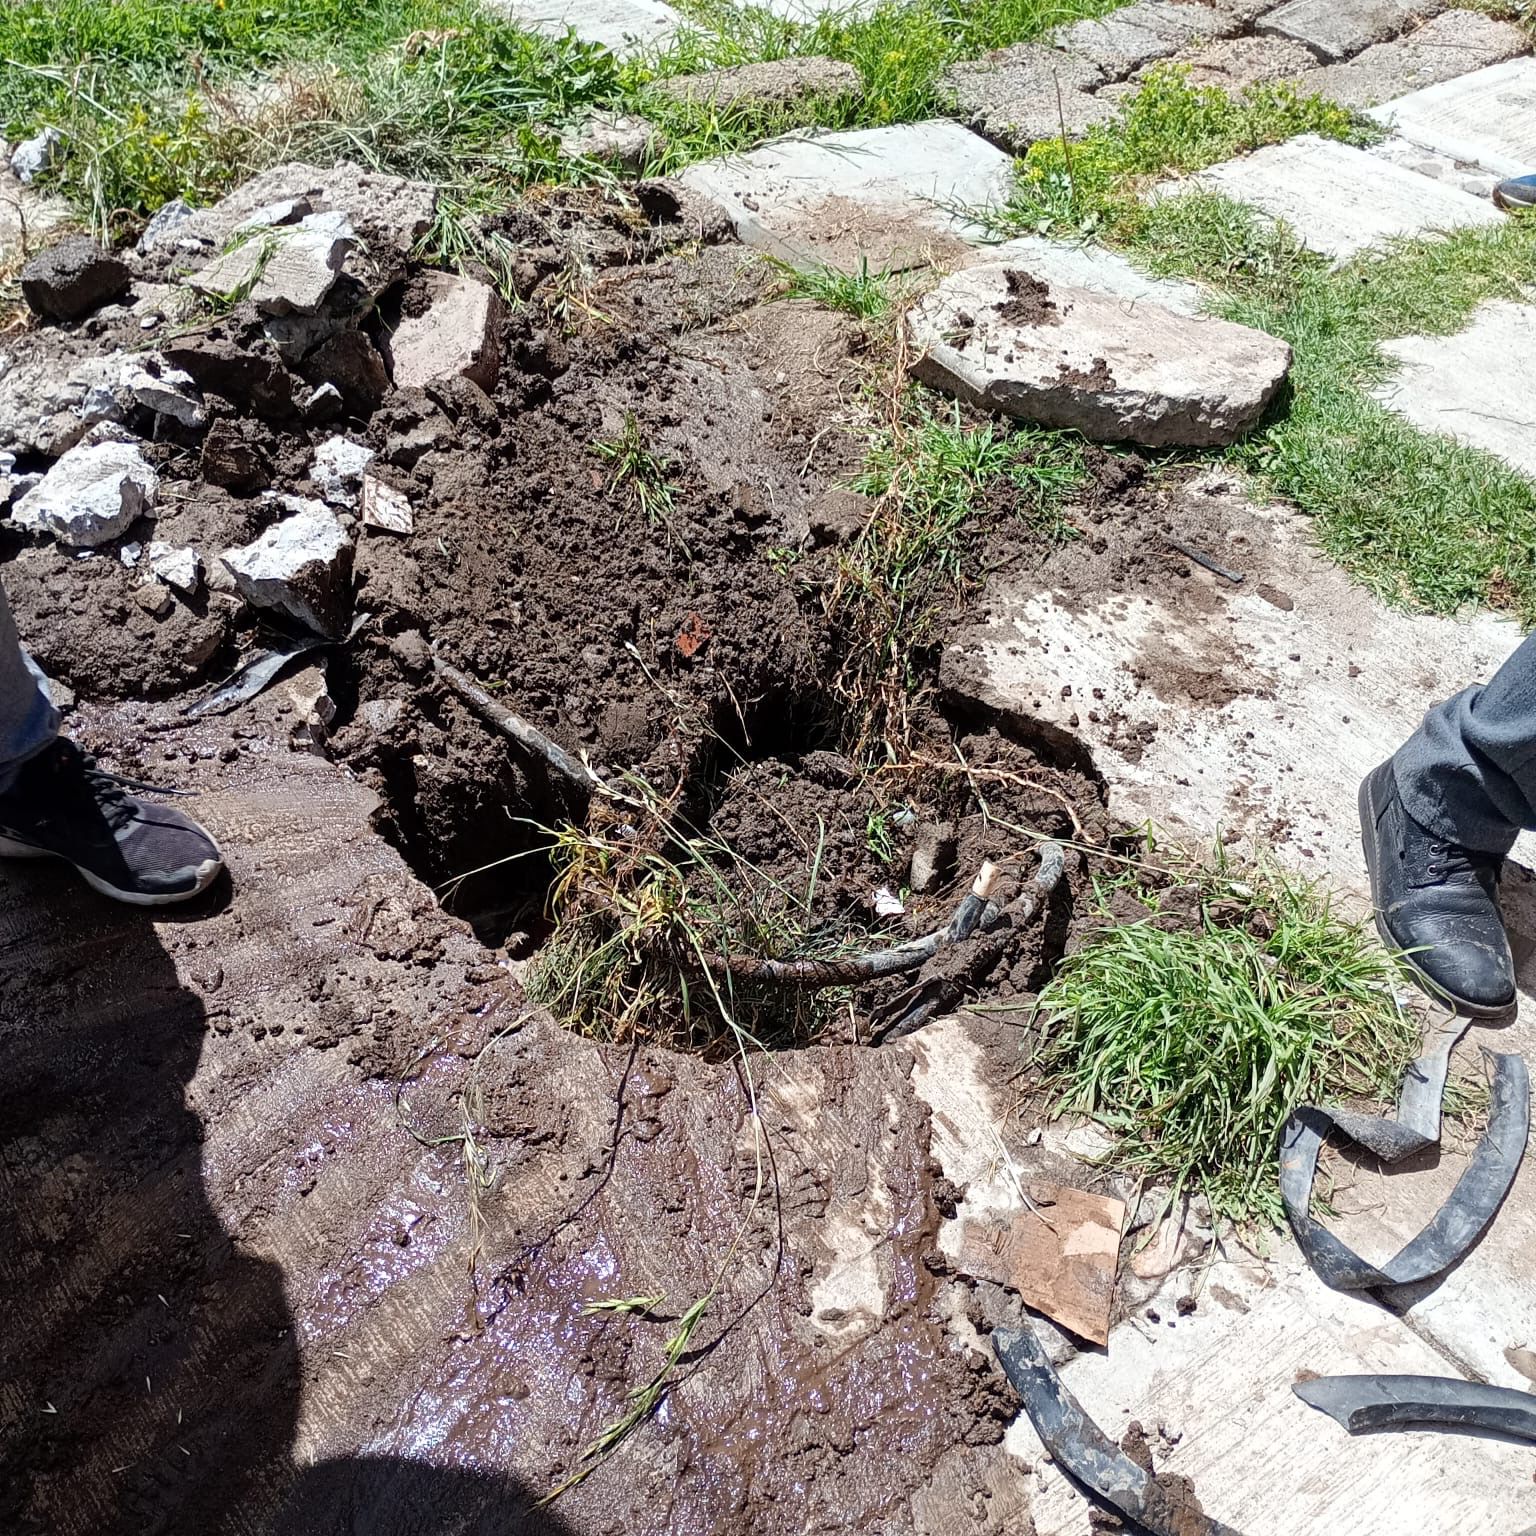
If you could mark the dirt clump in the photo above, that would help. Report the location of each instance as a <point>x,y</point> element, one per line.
<point>1028,302</point>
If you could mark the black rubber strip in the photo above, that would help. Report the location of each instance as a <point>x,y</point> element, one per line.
<point>1079,1445</point>
<point>1458,1223</point>
<point>1362,1403</point>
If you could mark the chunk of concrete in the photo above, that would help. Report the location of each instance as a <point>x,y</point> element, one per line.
<point>179,568</point>
<point>1338,199</point>
<point>771,83</point>
<point>337,470</point>
<point>71,279</point>
<point>891,197</point>
<point>623,27</point>
<point>1234,63</point>
<point>164,224</point>
<point>459,332</point>
<point>1478,386</point>
<point>301,567</point>
<point>92,495</point>
<point>1094,267</point>
<point>165,390</point>
<point>1339,29</point>
<point>1065,357</point>
<point>1487,118</point>
<point>1150,29</point>
<point>617,138</point>
<point>386,508</point>
<point>33,156</point>
<point>1454,43</point>
<point>1016,96</point>
<point>284,271</point>
<point>232,458</point>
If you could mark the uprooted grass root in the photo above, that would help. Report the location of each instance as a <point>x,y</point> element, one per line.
<point>1201,1016</point>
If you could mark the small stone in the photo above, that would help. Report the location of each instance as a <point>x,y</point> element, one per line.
<point>382,715</point>
<point>92,495</point>
<point>887,903</point>
<point>232,460</point>
<point>166,222</point>
<point>33,156</point>
<point>155,599</point>
<point>351,363</point>
<point>72,278</point>
<point>386,508</point>
<point>1068,357</point>
<point>166,391</point>
<point>322,404</point>
<point>271,215</point>
<point>457,333</point>
<point>179,568</point>
<point>301,567</point>
<point>337,470</point>
<point>773,83</point>
<point>933,856</point>
<point>620,139</point>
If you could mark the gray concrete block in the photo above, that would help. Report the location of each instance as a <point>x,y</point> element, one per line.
<point>621,26</point>
<point>1002,338</point>
<point>1236,62</point>
<point>1147,30</point>
<point>1095,268</point>
<point>1452,44</point>
<point>1011,96</point>
<point>1339,199</point>
<point>892,197</point>
<point>772,83</point>
<point>1478,386</point>
<point>1487,118</point>
<point>1339,29</point>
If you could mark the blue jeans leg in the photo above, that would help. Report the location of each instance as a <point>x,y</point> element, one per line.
<point>1468,773</point>
<point>28,720</point>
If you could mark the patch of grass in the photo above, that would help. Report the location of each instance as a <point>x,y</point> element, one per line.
<point>1168,126</point>
<point>932,472</point>
<point>1194,1045</point>
<point>638,474</point>
<point>1414,516</point>
<point>166,98</point>
<point>863,294</point>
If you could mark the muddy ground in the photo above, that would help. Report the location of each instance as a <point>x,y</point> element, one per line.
<point>307,1198</point>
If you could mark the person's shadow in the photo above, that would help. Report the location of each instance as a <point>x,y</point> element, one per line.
<point>149,1370</point>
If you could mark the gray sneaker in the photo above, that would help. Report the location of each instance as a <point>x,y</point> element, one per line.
<point>63,806</point>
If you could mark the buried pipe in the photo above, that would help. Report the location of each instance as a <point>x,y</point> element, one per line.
<point>1079,1445</point>
<point>532,740</point>
<point>1361,1403</point>
<point>976,913</point>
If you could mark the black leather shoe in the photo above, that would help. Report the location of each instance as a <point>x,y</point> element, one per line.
<point>1436,901</point>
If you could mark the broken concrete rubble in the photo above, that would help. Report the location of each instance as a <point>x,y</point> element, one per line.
<point>1028,92</point>
<point>164,225</point>
<point>92,495</point>
<point>1339,29</point>
<point>179,568</point>
<point>232,457</point>
<point>166,391</point>
<point>1139,33</point>
<point>386,508</point>
<point>457,333</point>
<point>301,567</point>
<point>1067,357</point>
<point>282,270</point>
<point>72,278</point>
<point>619,138</point>
<point>33,156</point>
<point>337,470</point>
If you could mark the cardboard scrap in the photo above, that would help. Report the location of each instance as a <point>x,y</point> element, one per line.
<point>1061,1259</point>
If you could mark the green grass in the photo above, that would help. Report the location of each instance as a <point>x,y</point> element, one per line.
<point>931,471</point>
<point>863,294</point>
<point>1195,1045</point>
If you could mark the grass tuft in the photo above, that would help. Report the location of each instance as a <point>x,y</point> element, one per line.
<point>1194,1039</point>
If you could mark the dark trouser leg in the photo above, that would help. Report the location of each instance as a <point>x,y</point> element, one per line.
<point>1468,774</point>
<point>28,720</point>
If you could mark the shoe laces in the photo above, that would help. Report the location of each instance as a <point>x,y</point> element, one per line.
<point>1451,863</point>
<point>110,791</point>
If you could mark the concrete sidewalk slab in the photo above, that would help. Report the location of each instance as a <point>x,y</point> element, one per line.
<point>621,26</point>
<point>891,197</point>
<point>1487,117</point>
<point>1094,267</point>
<point>1340,200</point>
<point>1338,29</point>
<point>1478,386</point>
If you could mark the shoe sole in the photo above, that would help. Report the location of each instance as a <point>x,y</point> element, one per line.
<point>1509,207</point>
<point>1426,982</point>
<point>207,873</point>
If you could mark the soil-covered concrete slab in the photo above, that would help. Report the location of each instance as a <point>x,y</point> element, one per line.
<point>622,26</point>
<point>891,197</point>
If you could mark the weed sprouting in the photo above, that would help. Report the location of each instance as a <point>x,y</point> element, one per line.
<point>638,474</point>
<point>863,294</point>
<point>1193,1033</point>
